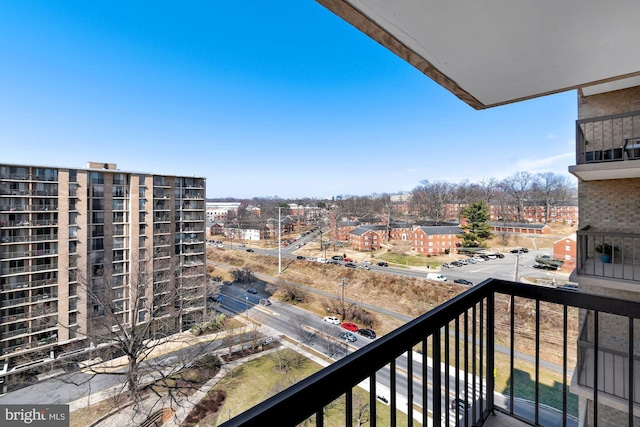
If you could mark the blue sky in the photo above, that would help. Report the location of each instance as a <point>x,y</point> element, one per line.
<point>261,98</point>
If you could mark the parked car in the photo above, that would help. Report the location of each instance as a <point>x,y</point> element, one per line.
<point>383,264</point>
<point>241,245</point>
<point>457,263</point>
<point>322,260</point>
<point>252,291</point>
<point>366,262</point>
<point>347,260</point>
<point>310,258</point>
<point>473,260</point>
<point>333,261</point>
<point>350,265</point>
<point>215,298</point>
<point>366,332</point>
<point>332,319</point>
<point>299,257</point>
<point>447,265</point>
<point>545,266</point>
<point>479,259</point>
<point>348,336</point>
<point>463,282</point>
<point>519,250</point>
<point>250,250</point>
<point>366,266</point>
<point>264,301</point>
<point>350,326</point>
<point>337,257</point>
<point>460,403</point>
<point>570,287</point>
<point>500,255</point>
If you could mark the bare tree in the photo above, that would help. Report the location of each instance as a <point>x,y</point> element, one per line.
<point>550,189</point>
<point>127,317</point>
<point>518,188</point>
<point>430,199</point>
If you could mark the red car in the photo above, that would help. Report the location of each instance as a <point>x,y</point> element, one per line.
<point>350,326</point>
<point>347,260</point>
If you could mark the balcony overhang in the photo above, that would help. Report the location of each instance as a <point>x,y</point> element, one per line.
<point>606,170</point>
<point>495,52</point>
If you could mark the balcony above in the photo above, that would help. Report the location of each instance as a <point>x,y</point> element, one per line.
<point>608,147</point>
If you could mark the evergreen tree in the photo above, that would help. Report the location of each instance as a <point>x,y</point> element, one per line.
<point>477,227</point>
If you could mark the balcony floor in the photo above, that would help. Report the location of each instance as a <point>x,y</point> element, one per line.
<point>613,270</point>
<point>504,420</point>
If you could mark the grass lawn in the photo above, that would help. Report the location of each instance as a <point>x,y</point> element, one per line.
<point>408,260</point>
<point>259,379</point>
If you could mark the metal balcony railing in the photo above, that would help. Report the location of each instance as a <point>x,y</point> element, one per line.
<point>461,341</point>
<point>608,255</point>
<point>608,138</point>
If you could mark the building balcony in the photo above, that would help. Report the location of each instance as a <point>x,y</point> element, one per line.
<point>603,256</point>
<point>28,300</point>
<point>30,254</point>
<point>463,349</point>
<point>607,147</point>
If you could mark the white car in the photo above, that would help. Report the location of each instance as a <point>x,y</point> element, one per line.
<point>366,262</point>
<point>322,260</point>
<point>332,319</point>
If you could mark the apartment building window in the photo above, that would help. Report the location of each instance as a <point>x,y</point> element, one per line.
<point>97,231</point>
<point>119,205</point>
<point>73,218</point>
<point>97,217</point>
<point>73,204</point>
<point>141,192</point>
<point>73,247</point>
<point>46,174</point>
<point>142,217</point>
<point>97,190</point>
<point>120,217</point>
<point>119,179</point>
<point>73,232</point>
<point>97,204</point>
<point>73,175</point>
<point>142,203</point>
<point>73,289</point>
<point>97,178</point>
<point>97,244</point>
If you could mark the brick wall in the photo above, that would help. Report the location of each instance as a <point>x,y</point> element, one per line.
<point>610,205</point>
<point>619,101</point>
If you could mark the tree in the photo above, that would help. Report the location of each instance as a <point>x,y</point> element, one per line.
<point>550,189</point>
<point>132,315</point>
<point>429,199</point>
<point>477,226</point>
<point>518,188</point>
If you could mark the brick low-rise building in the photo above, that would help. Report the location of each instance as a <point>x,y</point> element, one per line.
<point>436,240</point>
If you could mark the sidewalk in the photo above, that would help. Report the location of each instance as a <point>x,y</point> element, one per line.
<point>183,406</point>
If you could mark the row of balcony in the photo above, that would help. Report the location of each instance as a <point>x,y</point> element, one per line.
<point>29,223</point>
<point>26,345</point>
<point>26,285</point>
<point>28,208</point>
<point>29,268</point>
<point>18,317</point>
<point>26,177</point>
<point>28,300</point>
<point>458,363</point>
<point>29,238</point>
<point>29,254</point>
<point>13,192</point>
<point>26,331</point>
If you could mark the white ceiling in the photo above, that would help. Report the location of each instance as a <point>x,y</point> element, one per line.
<point>492,52</point>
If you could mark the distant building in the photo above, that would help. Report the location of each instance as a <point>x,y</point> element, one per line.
<point>566,249</point>
<point>436,240</point>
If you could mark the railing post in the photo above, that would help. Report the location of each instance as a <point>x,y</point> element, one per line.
<point>490,349</point>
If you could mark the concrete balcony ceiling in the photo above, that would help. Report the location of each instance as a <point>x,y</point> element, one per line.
<point>495,52</point>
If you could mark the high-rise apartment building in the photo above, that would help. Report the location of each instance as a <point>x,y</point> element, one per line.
<point>80,245</point>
